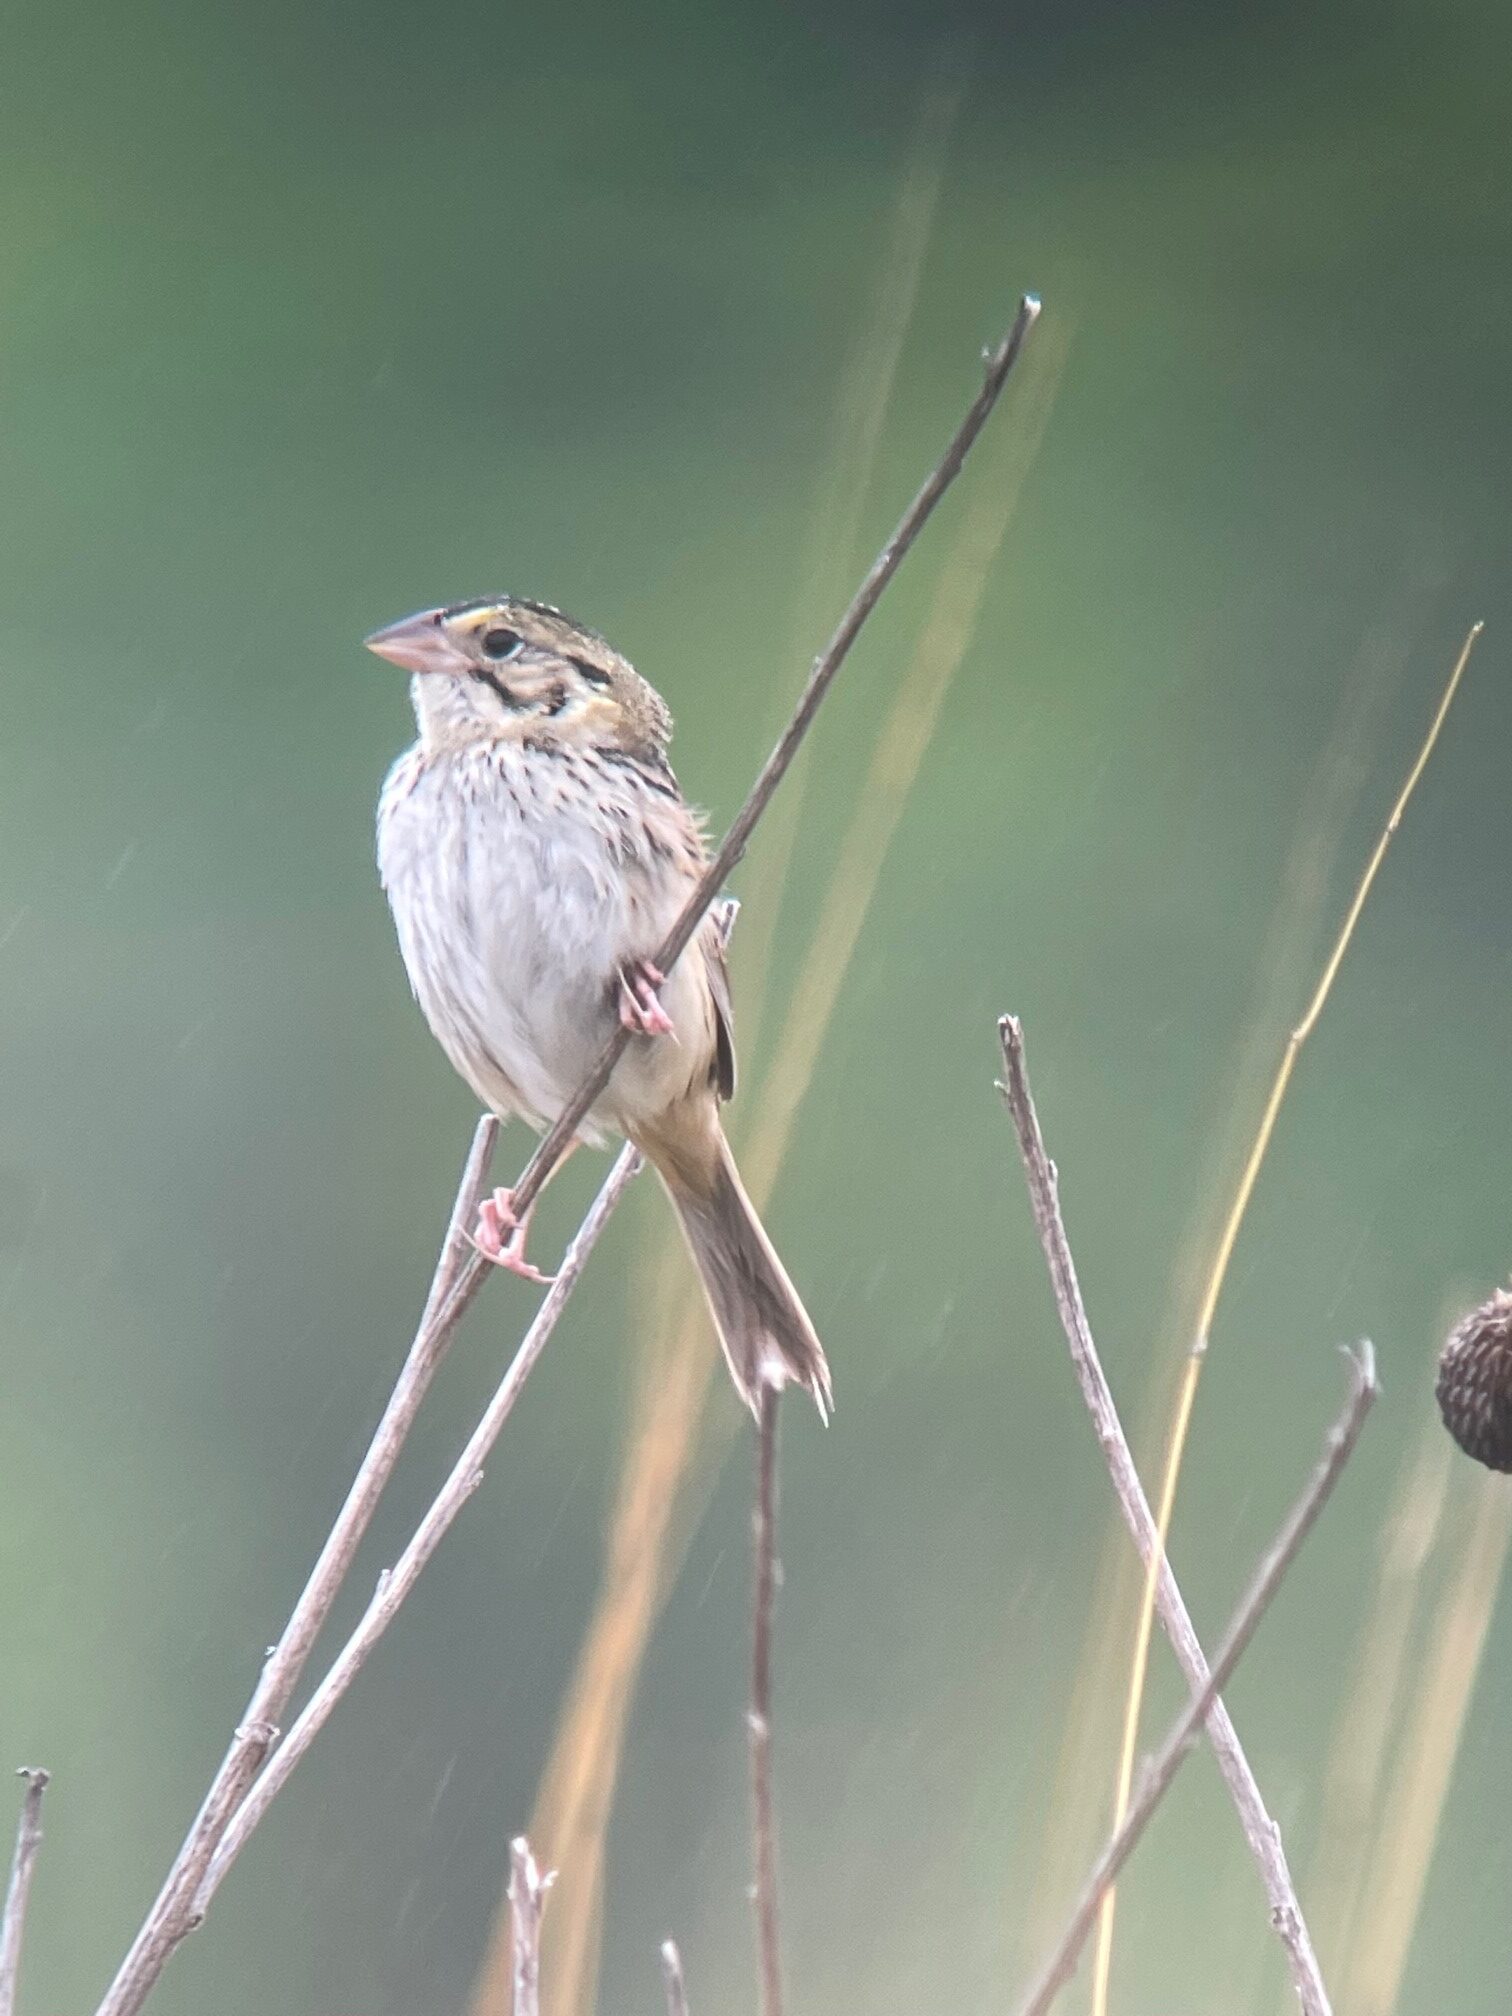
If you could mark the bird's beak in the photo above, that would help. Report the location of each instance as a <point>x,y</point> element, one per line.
<point>418,643</point>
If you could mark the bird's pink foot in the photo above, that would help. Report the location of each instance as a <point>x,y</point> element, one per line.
<point>639,1009</point>
<point>500,1236</point>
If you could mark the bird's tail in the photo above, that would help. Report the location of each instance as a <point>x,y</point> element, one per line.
<point>764,1328</point>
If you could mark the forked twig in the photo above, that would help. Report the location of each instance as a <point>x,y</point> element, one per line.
<point>171,1915</point>
<point>1260,1831</point>
<point>395,1584</point>
<point>672,1975</point>
<point>1364,1391</point>
<point>459,1276</point>
<point>527,1906</point>
<point>23,1862</point>
<point>656,1494</point>
<point>765,1579</point>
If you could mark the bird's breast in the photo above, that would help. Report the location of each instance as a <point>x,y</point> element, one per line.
<point>520,882</point>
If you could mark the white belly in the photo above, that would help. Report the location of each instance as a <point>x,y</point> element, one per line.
<point>514,917</point>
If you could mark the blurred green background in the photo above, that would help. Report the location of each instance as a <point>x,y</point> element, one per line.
<point>312,314</point>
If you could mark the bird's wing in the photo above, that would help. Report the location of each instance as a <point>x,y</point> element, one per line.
<point>714,939</point>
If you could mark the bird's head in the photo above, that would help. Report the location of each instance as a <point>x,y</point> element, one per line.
<point>506,669</point>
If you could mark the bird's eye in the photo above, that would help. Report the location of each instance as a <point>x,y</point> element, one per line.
<point>499,644</point>
<point>594,674</point>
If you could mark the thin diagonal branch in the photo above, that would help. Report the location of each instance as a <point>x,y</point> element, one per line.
<point>999,363</point>
<point>672,1976</point>
<point>657,1494</point>
<point>1260,1831</point>
<point>397,1582</point>
<point>171,1915</point>
<point>527,1905</point>
<point>13,1917</point>
<point>458,1277</point>
<point>1363,1393</point>
<point>764,1583</point>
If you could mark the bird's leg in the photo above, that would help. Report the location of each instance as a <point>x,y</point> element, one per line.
<point>639,1009</point>
<point>500,1236</point>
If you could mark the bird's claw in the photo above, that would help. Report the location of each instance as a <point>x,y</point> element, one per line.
<point>500,1237</point>
<point>639,1009</point>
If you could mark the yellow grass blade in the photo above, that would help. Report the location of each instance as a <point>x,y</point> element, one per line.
<point>1076,1820</point>
<point>1192,1370</point>
<point>861,412</point>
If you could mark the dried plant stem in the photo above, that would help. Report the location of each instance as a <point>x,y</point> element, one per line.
<point>1260,1831</point>
<point>573,1806</point>
<point>1162,1770</point>
<point>672,1976</point>
<point>999,364</point>
<point>458,1275</point>
<point>840,500</point>
<point>767,1574</point>
<point>527,1905</point>
<point>397,1582</point>
<point>23,1862</point>
<point>1283,970</point>
<point>1228,1238</point>
<point>174,1912</point>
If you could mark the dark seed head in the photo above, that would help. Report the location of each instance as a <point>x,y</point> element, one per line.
<point>1475,1382</point>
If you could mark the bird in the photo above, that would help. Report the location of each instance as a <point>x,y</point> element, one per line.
<point>535,849</point>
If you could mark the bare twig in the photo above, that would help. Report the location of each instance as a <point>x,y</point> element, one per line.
<point>1157,1780</point>
<point>171,1915</point>
<point>672,1975</point>
<point>1260,1831</point>
<point>656,1501</point>
<point>397,1582</point>
<point>999,363</point>
<point>1186,1397</point>
<point>527,1904</point>
<point>458,1279</point>
<point>767,1574</point>
<point>13,1918</point>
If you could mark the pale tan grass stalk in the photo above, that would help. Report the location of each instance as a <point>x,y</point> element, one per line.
<point>1075,1806</point>
<point>1192,1369</point>
<point>866,388</point>
<point>577,1790</point>
<point>1424,1762</point>
<point>1370,1700</point>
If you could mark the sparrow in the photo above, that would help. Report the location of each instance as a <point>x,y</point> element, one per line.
<point>535,850</point>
